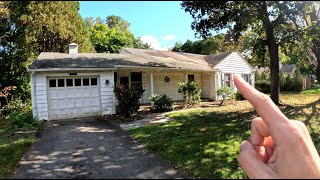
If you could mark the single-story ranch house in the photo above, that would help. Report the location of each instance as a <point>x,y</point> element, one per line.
<point>68,85</point>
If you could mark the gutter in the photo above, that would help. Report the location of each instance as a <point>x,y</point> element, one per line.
<point>113,69</point>
<point>68,69</point>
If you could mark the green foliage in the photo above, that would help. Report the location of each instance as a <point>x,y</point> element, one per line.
<point>118,23</point>
<point>225,92</point>
<point>212,45</point>
<point>19,119</point>
<point>263,86</point>
<point>28,28</point>
<point>162,103</point>
<point>128,100</point>
<point>271,21</point>
<point>312,91</point>
<point>238,96</point>
<point>112,36</point>
<point>190,91</point>
<point>21,115</point>
<point>287,84</point>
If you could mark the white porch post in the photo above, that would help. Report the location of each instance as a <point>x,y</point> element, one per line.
<point>151,85</point>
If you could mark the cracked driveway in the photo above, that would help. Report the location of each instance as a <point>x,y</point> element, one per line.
<point>90,148</point>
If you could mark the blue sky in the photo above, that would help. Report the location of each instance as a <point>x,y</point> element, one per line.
<point>159,23</point>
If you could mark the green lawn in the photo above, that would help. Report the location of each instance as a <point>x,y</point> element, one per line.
<point>12,147</point>
<point>205,141</point>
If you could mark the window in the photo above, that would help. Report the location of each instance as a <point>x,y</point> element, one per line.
<point>190,77</point>
<point>227,79</point>
<point>115,78</point>
<point>60,82</point>
<point>94,81</point>
<point>52,83</point>
<point>85,81</point>
<point>136,79</point>
<point>247,77</point>
<point>69,82</point>
<point>77,82</point>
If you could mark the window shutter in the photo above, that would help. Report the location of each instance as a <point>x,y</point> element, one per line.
<point>231,80</point>
<point>222,79</point>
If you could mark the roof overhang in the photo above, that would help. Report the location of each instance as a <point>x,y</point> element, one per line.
<point>119,67</point>
<point>69,69</point>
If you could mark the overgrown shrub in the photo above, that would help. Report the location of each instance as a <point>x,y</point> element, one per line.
<point>19,119</point>
<point>238,96</point>
<point>128,100</point>
<point>190,91</point>
<point>162,103</point>
<point>225,92</point>
<point>263,86</point>
<point>294,84</point>
<point>286,83</point>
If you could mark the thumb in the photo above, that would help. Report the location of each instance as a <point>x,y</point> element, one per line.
<point>251,163</point>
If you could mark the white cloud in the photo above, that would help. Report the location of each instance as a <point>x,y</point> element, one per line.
<point>153,42</point>
<point>169,37</point>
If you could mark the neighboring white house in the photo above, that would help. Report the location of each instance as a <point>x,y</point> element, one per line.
<point>68,85</point>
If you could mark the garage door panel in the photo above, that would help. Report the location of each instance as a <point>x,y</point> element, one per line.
<point>73,101</point>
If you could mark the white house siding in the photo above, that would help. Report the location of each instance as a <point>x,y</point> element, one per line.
<point>171,88</point>
<point>107,95</point>
<point>40,97</point>
<point>39,94</point>
<point>233,64</point>
<point>208,85</point>
<point>159,85</point>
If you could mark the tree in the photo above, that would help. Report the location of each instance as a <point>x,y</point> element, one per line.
<point>309,25</point>
<point>30,27</point>
<point>111,37</point>
<point>211,45</point>
<point>177,47</point>
<point>274,18</point>
<point>118,23</point>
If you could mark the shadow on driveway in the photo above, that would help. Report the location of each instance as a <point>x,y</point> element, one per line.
<point>90,148</point>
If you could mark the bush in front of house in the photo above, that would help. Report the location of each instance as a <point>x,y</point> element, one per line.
<point>23,120</point>
<point>225,92</point>
<point>263,86</point>
<point>238,96</point>
<point>162,103</point>
<point>190,91</point>
<point>286,83</point>
<point>20,115</point>
<point>128,100</point>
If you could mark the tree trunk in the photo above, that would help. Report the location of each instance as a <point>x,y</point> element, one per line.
<point>274,71</point>
<point>273,49</point>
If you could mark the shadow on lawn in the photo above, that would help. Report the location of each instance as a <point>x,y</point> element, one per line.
<point>207,143</point>
<point>310,115</point>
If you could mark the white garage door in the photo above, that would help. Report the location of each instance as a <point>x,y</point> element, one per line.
<point>71,97</point>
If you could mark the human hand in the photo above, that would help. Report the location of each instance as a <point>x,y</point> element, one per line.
<point>278,147</point>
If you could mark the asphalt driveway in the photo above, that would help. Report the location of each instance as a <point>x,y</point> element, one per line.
<point>91,148</point>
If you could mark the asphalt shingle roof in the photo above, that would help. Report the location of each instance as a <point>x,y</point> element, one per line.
<point>128,57</point>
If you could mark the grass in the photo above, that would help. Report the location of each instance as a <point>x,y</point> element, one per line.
<point>314,90</point>
<point>205,141</point>
<point>13,146</point>
<point>11,152</point>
